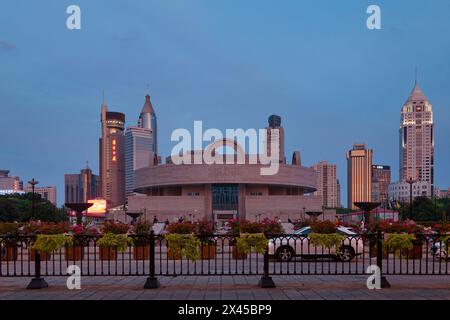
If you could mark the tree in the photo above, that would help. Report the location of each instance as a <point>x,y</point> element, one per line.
<point>17,207</point>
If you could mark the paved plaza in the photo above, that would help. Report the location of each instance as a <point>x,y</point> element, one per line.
<point>232,288</point>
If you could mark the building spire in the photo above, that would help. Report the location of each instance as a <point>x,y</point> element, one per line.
<point>415,77</point>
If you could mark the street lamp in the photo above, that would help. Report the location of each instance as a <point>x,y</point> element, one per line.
<point>32,182</point>
<point>410,181</point>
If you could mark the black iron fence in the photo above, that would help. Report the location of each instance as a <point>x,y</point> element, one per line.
<point>287,254</point>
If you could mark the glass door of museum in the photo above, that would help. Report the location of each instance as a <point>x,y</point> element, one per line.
<point>225,202</point>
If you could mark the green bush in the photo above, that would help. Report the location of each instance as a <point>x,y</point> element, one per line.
<point>328,240</point>
<point>118,241</point>
<point>186,245</point>
<point>50,242</point>
<point>246,241</point>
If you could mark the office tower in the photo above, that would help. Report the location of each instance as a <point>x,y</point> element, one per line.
<point>138,153</point>
<point>326,184</point>
<point>10,183</point>
<point>140,144</point>
<point>381,178</point>
<point>81,187</point>
<point>277,136</point>
<point>359,177</point>
<point>338,185</point>
<point>47,193</point>
<point>112,157</point>
<point>147,120</point>
<point>417,138</point>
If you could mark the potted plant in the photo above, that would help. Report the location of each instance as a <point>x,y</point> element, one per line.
<point>141,246</point>
<point>10,232</point>
<point>272,227</point>
<point>324,235</point>
<point>205,229</point>
<point>114,240</point>
<point>182,242</point>
<point>48,237</point>
<point>251,236</point>
<point>80,234</point>
<point>405,239</point>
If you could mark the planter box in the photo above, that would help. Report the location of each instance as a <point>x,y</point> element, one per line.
<point>374,251</point>
<point>141,252</point>
<point>107,253</point>
<point>9,253</point>
<point>235,254</point>
<point>172,256</point>
<point>44,255</point>
<point>208,252</point>
<point>75,253</point>
<point>415,252</point>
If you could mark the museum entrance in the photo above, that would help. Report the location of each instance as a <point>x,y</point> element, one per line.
<point>225,202</point>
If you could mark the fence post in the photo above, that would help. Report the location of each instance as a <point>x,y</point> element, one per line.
<point>266,281</point>
<point>384,282</point>
<point>152,282</point>
<point>37,282</point>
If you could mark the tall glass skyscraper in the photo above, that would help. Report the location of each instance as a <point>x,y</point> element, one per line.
<point>417,138</point>
<point>140,144</point>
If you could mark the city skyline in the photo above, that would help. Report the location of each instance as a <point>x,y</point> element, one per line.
<point>358,88</point>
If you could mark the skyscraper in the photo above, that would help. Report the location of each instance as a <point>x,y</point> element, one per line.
<point>81,187</point>
<point>359,177</point>
<point>417,138</point>
<point>147,120</point>
<point>327,184</point>
<point>140,144</point>
<point>138,153</point>
<point>112,157</point>
<point>381,178</point>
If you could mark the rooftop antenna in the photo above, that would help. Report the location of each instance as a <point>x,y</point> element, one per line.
<point>87,164</point>
<point>148,88</point>
<point>103,96</point>
<point>415,77</point>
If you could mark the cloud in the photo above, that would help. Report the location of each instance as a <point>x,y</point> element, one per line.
<point>6,46</point>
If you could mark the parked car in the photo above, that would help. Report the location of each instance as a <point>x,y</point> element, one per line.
<point>298,245</point>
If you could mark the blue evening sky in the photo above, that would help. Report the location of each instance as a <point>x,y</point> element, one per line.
<point>230,63</point>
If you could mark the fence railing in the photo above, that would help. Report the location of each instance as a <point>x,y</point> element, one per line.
<point>286,254</point>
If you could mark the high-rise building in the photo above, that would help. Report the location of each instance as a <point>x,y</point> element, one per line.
<point>112,157</point>
<point>138,153</point>
<point>81,187</point>
<point>10,183</point>
<point>47,193</point>
<point>359,177</point>
<point>275,135</point>
<point>338,191</point>
<point>417,138</point>
<point>147,120</point>
<point>326,184</point>
<point>381,178</point>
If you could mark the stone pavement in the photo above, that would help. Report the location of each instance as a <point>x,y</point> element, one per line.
<point>232,288</point>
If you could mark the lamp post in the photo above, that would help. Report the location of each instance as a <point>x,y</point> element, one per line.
<point>32,182</point>
<point>410,181</point>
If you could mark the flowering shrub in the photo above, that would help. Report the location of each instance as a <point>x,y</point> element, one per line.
<point>272,226</point>
<point>324,227</point>
<point>441,227</point>
<point>181,228</point>
<point>83,229</point>
<point>115,227</point>
<point>142,227</point>
<point>251,227</point>
<point>37,227</point>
